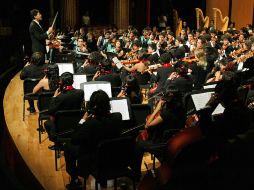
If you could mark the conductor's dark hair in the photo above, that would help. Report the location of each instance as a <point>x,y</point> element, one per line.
<point>66,79</point>
<point>99,103</point>
<point>33,13</point>
<point>38,58</point>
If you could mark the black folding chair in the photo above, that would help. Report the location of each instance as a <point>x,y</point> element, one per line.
<point>65,121</point>
<point>114,159</point>
<point>44,99</point>
<point>28,86</point>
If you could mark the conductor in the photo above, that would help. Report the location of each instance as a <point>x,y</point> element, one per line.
<point>37,34</point>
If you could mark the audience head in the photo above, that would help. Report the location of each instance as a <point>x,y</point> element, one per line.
<point>99,104</point>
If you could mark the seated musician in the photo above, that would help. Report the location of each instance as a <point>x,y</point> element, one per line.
<point>34,69</point>
<point>96,125</point>
<point>105,72</point>
<point>80,48</point>
<point>119,49</point>
<point>180,78</point>
<point>162,72</point>
<point>226,47</point>
<point>153,57</point>
<point>90,64</point>
<point>50,81</point>
<point>131,90</point>
<point>168,114</point>
<point>139,70</point>
<point>198,69</point>
<point>65,98</point>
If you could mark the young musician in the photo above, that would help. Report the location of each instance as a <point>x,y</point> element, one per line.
<point>96,125</point>
<point>66,97</point>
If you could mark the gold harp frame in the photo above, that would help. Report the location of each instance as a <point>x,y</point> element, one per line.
<point>178,23</point>
<point>224,20</point>
<point>205,20</point>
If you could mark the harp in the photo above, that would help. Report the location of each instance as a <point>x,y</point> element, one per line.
<point>222,25</point>
<point>201,20</point>
<point>177,23</point>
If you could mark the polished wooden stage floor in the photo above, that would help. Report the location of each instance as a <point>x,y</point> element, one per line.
<point>38,157</point>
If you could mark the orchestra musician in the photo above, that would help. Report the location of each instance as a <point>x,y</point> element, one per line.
<point>168,114</point>
<point>198,69</point>
<point>226,47</point>
<point>131,89</point>
<point>37,33</point>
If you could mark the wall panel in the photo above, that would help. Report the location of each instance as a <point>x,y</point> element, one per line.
<point>242,12</point>
<point>223,5</point>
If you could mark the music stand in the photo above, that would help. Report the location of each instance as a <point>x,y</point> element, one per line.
<point>65,67</point>
<point>90,87</point>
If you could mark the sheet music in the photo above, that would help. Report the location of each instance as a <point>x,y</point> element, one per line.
<point>208,86</point>
<point>121,106</point>
<point>90,87</point>
<point>201,99</point>
<point>82,53</point>
<point>78,79</point>
<point>240,66</point>
<point>65,67</point>
<point>119,65</point>
<point>218,110</point>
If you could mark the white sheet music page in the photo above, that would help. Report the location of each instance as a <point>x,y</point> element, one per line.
<point>65,67</point>
<point>201,99</point>
<point>118,63</point>
<point>121,106</point>
<point>218,110</point>
<point>90,87</point>
<point>208,86</point>
<point>77,80</point>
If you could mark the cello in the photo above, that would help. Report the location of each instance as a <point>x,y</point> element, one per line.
<point>162,176</point>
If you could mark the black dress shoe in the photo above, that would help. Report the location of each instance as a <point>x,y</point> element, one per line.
<point>52,147</point>
<point>74,185</point>
<point>41,129</point>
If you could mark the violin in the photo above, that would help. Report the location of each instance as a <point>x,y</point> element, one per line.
<point>133,61</point>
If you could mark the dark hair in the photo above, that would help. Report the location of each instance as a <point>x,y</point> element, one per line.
<point>33,13</point>
<point>132,83</point>
<point>95,57</point>
<point>66,79</point>
<point>99,103</point>
<point>137,43</point>
<point>165,57</point>
<point>153,46</point>
<point>172,96</point>
<point>52,73</point>
<point>38,58</point>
